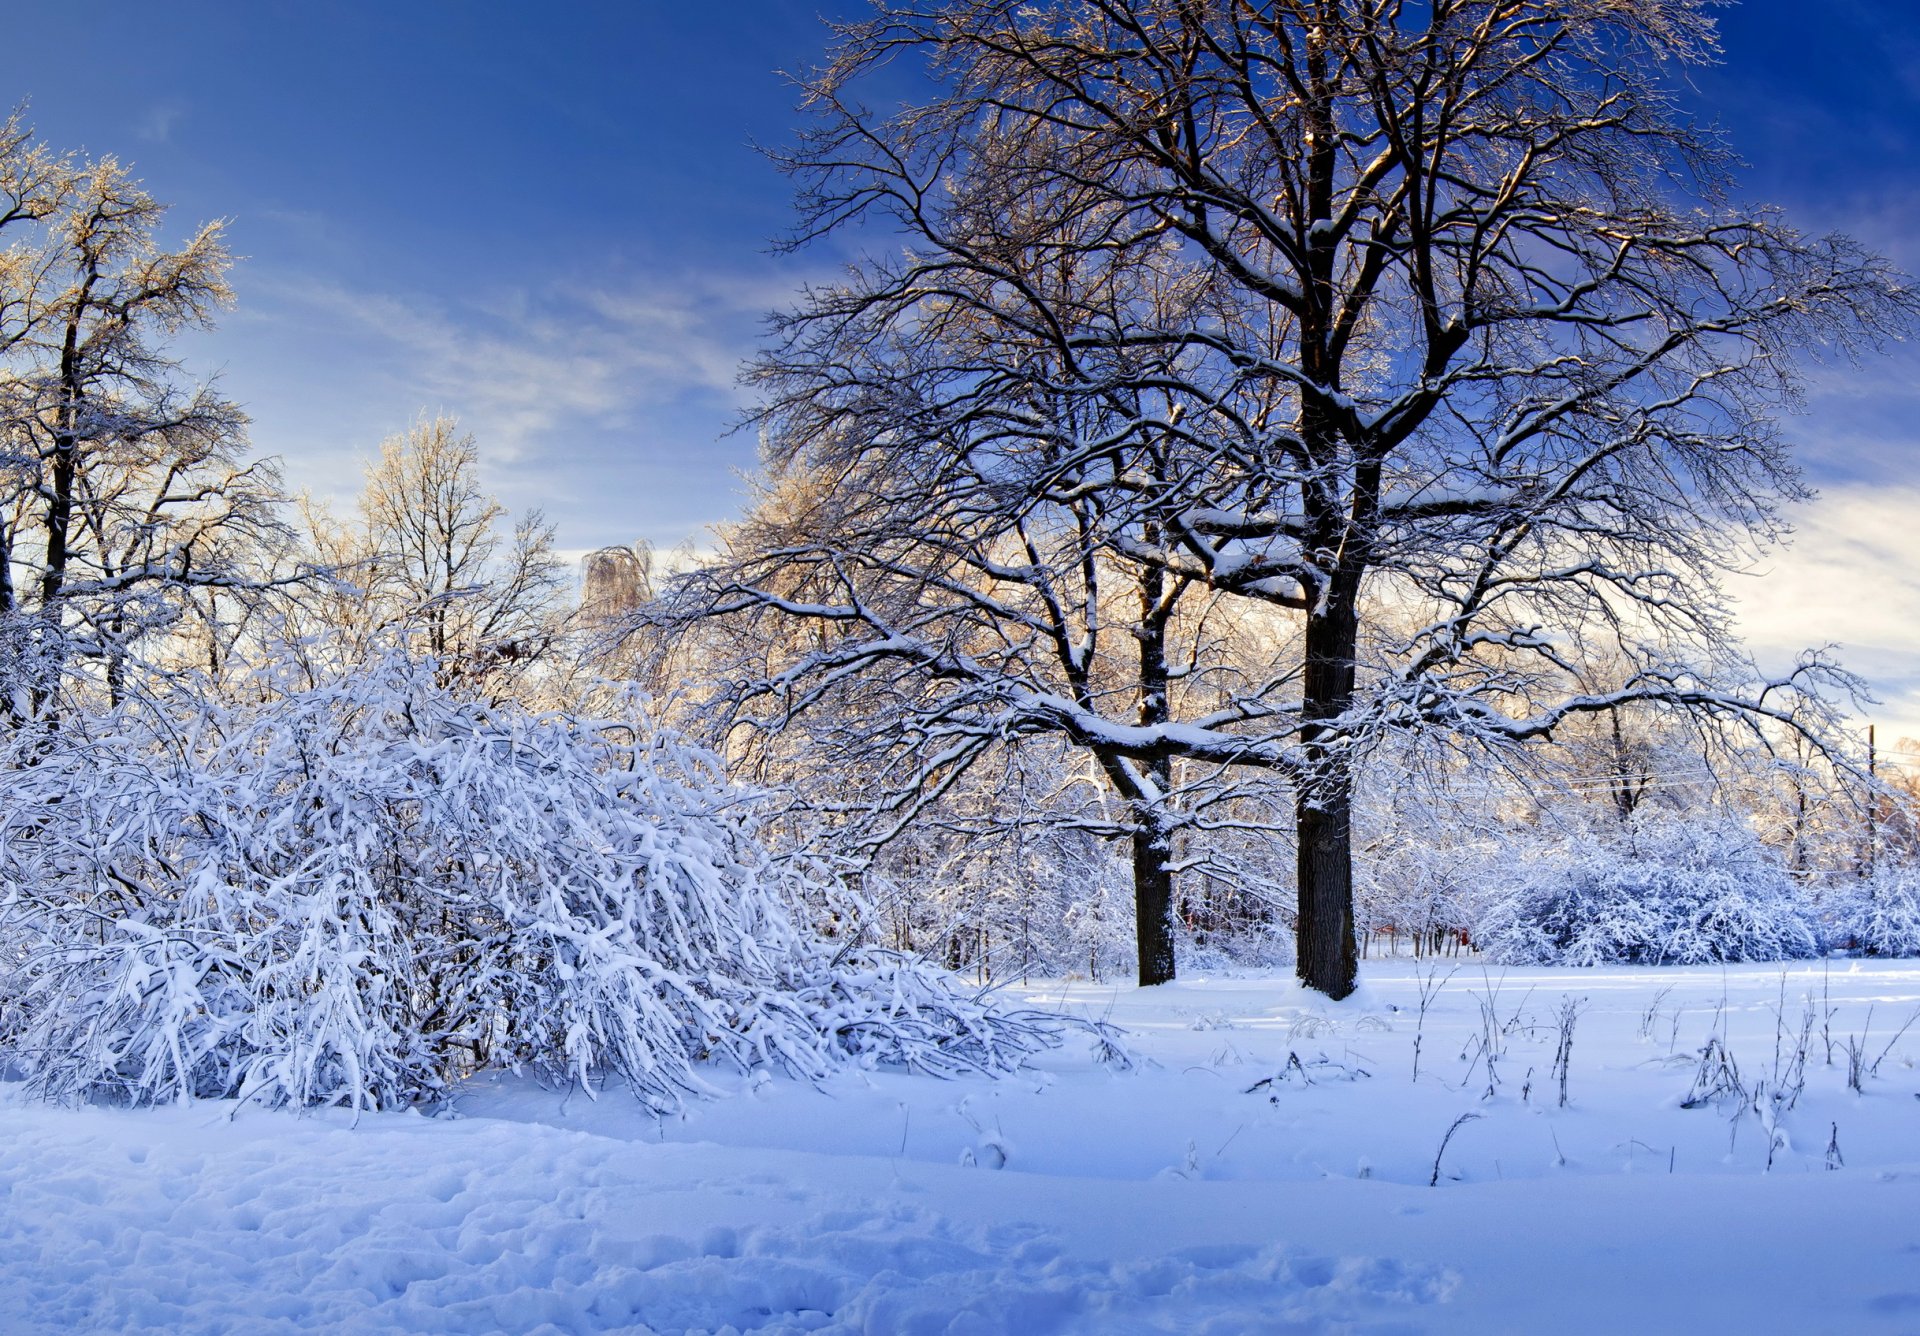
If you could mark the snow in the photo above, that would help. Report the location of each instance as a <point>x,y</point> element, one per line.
<point>1174,1198</point>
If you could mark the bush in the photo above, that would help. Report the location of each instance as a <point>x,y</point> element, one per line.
<point>1877,916</point>
<point>360,893</point>
<point>1662,892</point>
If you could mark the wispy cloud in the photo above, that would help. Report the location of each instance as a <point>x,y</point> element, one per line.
<point>1851,578</point>
<point>529,366</point>
<point>606,403</point>
<point>158,122</point>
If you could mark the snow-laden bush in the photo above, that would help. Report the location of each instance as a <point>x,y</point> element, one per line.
<point>1878,915</point>
<point>359,893</point>
<point>1661,891</point>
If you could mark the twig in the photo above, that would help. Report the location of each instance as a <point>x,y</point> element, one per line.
<point>1458,1123</point>
<point>1875,1069</point>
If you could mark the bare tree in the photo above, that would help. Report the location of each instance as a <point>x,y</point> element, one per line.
<point>428,552</point>
<point>1428,328</point>
<point>888,636</point>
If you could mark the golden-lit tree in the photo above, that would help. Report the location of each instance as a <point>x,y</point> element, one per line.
<point>429,551</point>
<point>124,487</point>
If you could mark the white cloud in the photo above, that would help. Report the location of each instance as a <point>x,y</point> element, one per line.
<point>1851,578</point>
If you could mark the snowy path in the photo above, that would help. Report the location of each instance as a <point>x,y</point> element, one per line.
<point>1165,1201</point>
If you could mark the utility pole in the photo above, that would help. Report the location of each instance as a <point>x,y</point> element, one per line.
<point>1873,801</point>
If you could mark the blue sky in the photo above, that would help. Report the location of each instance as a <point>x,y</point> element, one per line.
<point>553,224</point>
<point>556,229</point>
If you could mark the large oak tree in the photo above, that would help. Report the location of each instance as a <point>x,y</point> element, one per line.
<point>1427,330</point>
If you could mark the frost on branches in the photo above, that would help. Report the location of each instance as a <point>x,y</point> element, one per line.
<point>360,893</point>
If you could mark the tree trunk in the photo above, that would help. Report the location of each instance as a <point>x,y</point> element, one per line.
<point>1152,838</point>
<point>1153,904</point>
<point>1326,957</point>
<point>1327,954</point>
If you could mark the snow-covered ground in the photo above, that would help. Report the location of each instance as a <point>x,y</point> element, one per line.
<point>1186,1196</point>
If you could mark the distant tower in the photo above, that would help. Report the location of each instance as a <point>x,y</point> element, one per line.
<point>618,580</point>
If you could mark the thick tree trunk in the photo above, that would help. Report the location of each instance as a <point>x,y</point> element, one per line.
<point>53,572</point>
<point>1153,904</point>
<point>1152,838</point>
<point>1326,957</point>
<point>1327,954</point>
<point>66,455</point>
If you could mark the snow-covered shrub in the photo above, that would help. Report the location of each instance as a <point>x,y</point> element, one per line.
<point>360,892</point>
<point>1878,915</point>
<point>1661,891</point>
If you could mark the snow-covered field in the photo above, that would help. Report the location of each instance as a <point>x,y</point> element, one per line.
<point>1185,1196</point>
